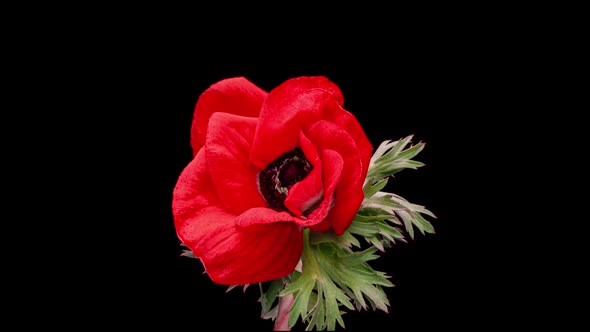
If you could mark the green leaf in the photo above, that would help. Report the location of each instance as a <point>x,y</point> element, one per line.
<point>371,188</point>
<point>244,287</point>
<point>302,288</point>
<point>384,208</point>
<point>389,159</point>
<point>366,219</point>
<point>407,222</point>
<point>385,218</point>
<point>334,277</point>
<point>422,224</point>
<point>269,297</point>
<point>395,148</point>
<point>188,253</point>
<point>391,233</point>
<point>408,206</point>
<point>411,152</point>
<point>346,239</point>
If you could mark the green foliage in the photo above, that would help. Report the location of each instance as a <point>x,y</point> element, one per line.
<point>336,274</point>
<point>390,158</point>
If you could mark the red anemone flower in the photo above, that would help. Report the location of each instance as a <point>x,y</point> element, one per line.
<point>266,165</point>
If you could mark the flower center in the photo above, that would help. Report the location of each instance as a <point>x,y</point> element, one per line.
<point>280,175</point>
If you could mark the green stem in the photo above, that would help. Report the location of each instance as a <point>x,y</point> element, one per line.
<point>310,263</point>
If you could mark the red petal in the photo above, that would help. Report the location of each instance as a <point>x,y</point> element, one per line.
<point>308,192</point>
<point>193,191</point>
<point>263,215</point>
<point>332,173</point>
<point>309,150</point>
<point>349,192</point>
<point>287,109</point>
<point>227,149</point>
<point>234,255</point>
<point>323,226</point>
<point>234,95</point>
<point>231,254</point>
<point>296,86</point>
<point>335,113</point>
<point>305,194</point>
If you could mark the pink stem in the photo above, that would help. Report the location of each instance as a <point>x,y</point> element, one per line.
<point>282,321</point>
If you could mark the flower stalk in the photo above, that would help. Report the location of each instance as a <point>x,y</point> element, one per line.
<point>282,320</point>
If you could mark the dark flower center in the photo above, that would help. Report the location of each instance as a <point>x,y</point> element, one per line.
<point>280,175</point>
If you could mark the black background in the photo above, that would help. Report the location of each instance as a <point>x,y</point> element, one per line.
<point>450,93</point>
<point>107,101</point>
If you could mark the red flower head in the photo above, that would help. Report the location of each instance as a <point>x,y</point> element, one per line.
<point>265,166</point>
